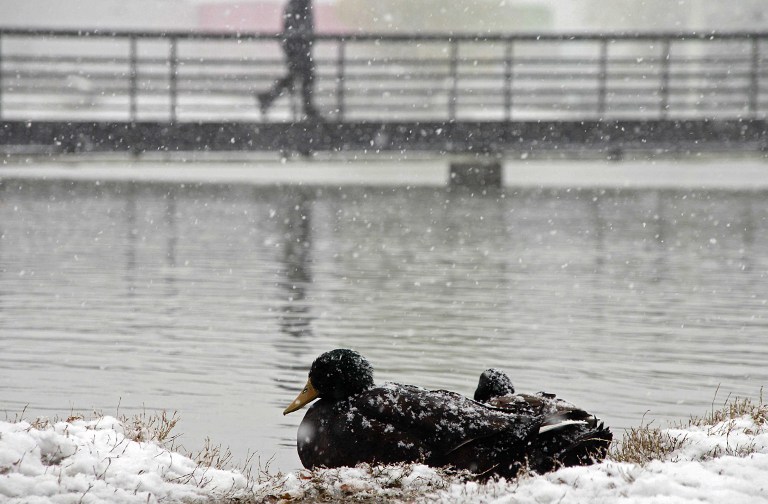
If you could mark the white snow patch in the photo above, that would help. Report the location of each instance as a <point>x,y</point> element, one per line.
<point>94,460</point>
<point>724,479</point>
<point>392,483</point>
<point>700,470</point>
<point>728,437</point>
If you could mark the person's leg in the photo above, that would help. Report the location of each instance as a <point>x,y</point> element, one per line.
<point>267,97</point>
<point>307,76</point>
<point>307,88</point>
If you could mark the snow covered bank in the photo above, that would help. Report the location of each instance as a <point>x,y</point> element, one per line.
<point>722,457</point>
<point>724,462</point>
<point>727,479</point>
<point>97,461</point>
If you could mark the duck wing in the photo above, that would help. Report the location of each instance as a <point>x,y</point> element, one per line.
<point>446,428</point>
<point>570,435</point>
<point>403,423</point>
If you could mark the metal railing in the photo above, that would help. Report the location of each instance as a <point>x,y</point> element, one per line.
<point>186,77</point>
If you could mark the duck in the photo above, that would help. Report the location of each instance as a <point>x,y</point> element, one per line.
<point>581,437</point>
<point>352,420</point>
<point>495,388</point>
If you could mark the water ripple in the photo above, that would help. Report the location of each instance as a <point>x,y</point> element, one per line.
<point>213,300</point>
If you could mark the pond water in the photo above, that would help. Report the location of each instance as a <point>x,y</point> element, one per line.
<point>212,300</point>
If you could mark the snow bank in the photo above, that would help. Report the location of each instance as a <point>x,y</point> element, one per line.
<point>63,462</point>
<point>727,461</point>
<point>94,462</point>
<point>724,479</point>
<point>405,482</point>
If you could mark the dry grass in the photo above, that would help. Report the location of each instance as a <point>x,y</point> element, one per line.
<point>374,483</point>
<point>645,443</point>
<point>158,428</point>
<point>736,408</point>
<point>155,427</point>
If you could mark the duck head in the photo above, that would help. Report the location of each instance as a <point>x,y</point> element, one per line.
<point>335,375</point>
<point>493,383</point>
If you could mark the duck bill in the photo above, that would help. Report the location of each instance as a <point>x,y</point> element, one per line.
<point>307,395</point>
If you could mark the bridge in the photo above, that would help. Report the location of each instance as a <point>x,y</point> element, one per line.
<point>89,91</point>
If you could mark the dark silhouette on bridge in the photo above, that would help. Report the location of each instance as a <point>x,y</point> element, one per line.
<point>81,91</point>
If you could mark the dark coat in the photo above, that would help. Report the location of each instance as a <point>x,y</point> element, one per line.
<point>297,17</point>
<point>298,30</point>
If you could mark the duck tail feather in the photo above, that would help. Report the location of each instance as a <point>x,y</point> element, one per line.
<point>560,425</point>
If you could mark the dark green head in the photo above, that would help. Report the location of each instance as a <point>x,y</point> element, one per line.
<point>493,383</point>
<point>335,375</point>
<point>341,373</point>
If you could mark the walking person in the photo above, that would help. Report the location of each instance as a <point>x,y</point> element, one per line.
<point>297,41</point>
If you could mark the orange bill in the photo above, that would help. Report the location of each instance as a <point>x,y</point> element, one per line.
<point>307,395</point>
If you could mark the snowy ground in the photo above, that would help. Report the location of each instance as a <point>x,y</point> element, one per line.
<point>95,461</point>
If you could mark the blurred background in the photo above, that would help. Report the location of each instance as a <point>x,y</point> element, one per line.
<point>194,266</point>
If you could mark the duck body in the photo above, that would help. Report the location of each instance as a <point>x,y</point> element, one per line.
<point>355,421</point>
<point>568,436</point>
<point>403,423</point>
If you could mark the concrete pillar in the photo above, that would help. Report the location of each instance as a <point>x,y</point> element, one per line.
<point>475,174</point>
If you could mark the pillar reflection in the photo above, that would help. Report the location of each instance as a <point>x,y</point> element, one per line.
<point>748,235</point>
<point>131,236</point>
<point>172,233</point>
<point>295,275</point>
<point>660,237</point>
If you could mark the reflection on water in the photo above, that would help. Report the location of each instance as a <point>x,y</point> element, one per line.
<point>213,300</point>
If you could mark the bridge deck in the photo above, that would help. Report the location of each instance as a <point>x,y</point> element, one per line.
<point>79,90</point>
<point>457,137</point>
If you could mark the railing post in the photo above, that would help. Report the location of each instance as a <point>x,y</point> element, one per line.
<point>754,81</point>
<point>664,87</point>
<point>602,78</point>
<point>133,79</point>
<point>340,62</point>
<point>453,97</point>
<point>509,55</point>
<point>172,89</point>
